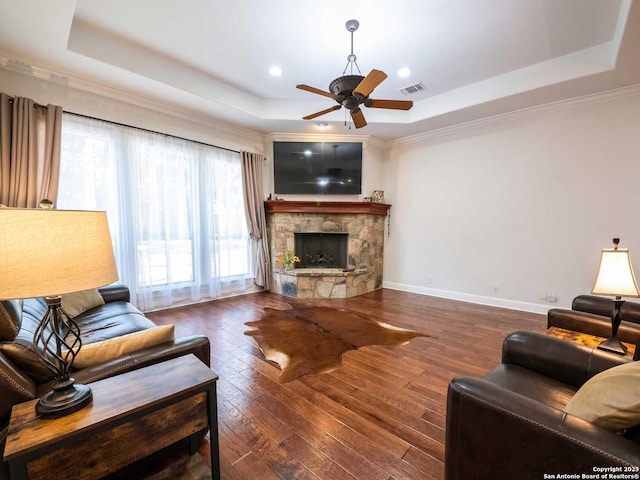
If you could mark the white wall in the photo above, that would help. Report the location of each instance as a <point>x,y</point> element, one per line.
<point>177,122</point>
<point>525,205</point>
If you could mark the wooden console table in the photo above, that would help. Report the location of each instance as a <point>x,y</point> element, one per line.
<point>586,339</point>
<point>132,416</point>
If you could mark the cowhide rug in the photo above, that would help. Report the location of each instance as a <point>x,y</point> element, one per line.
<point>306,340</point>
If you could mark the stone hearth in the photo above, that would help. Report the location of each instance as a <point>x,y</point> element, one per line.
<point>364,224</point>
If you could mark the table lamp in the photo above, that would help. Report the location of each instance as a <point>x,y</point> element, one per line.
<point>47,253</point>
<point>615,277</point>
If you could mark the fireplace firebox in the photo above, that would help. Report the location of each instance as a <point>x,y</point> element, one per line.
<point>321,249</point>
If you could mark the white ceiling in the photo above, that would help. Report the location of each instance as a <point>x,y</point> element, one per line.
<point>476,58</point>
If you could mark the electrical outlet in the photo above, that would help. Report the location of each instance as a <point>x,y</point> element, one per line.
<point>551,297</point>
<point>496,289</point>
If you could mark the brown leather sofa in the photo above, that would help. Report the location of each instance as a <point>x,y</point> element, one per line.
<point>510,424</point>
<point>23,378</point>
<point>592,314</point>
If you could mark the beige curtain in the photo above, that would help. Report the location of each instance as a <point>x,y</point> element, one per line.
<point>29,151</point>
<point>252,166</point>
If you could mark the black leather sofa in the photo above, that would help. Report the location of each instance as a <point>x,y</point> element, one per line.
<point>592,314</point>
<point>510,424</point>
<point>22,378</point>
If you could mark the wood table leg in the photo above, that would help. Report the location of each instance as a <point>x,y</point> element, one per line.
<point>17,471</point>
<point>213,432</point>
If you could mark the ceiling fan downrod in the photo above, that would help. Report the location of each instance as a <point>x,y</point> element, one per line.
<point>352,26</point>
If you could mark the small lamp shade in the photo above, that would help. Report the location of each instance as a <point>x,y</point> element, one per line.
<point>615,274</point>
<point>53,252</point>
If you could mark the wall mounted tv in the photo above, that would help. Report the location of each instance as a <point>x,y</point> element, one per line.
<point>332,168</point>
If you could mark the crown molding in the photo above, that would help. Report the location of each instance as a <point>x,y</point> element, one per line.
<point>127,96</point>
<point>576,102</point>
<point>256,138</point>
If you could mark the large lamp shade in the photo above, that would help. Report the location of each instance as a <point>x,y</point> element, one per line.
<point>47,253</point>
<point>52,252</point>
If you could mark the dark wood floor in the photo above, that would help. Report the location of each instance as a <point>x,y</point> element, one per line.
<point>380,416</point>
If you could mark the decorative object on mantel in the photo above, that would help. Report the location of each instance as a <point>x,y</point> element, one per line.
<point>288,259</point>
<point>377,196</point>
<point>307,340</point>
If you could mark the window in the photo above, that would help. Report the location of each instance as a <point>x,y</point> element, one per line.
<point>175,207</point>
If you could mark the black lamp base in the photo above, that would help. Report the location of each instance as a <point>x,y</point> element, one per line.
<point>58,342</point>
<point>64,399</point>
<point>613,345</point>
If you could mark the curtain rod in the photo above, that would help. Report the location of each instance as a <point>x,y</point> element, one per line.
<point>150,131</point>
<point>35,104</point>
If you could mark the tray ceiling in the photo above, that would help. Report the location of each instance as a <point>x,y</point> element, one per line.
<point>476,58</point>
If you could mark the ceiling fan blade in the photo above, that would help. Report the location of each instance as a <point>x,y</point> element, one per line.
<point>317,114</point>
<point>316,90</point>
<point>371,81</point>
<point>358,118</point>
<point>391,104</point>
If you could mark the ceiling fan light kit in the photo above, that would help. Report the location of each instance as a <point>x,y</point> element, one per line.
<point>351,91</point>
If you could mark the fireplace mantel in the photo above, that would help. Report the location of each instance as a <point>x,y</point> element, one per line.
<point>295,206</point>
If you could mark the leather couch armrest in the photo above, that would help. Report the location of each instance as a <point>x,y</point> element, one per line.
<point>593,304</point>
<point>115,293</point>
<point>565,361</point>
<point>495,433</point>
<point>15,387</point>
<point>630,311</point>
<point>579,322</point>
<point>196,344</point>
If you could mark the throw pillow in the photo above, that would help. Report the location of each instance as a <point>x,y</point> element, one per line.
<point>610,399</point>
<point>100,352</point>
<point>78,302</point>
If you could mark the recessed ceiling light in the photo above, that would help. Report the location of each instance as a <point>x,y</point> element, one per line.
<point>275,71</point>
<point>404,72</point>
<point>322,125</point>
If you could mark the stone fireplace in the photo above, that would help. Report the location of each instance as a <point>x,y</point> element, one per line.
<point>340,245</point>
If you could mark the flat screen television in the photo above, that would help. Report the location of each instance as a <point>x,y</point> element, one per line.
<point>331,168</point>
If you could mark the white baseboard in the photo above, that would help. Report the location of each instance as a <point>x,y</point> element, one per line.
<point>471,298</point>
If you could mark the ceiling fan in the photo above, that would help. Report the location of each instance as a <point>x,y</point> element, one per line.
<point>352,91</point>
